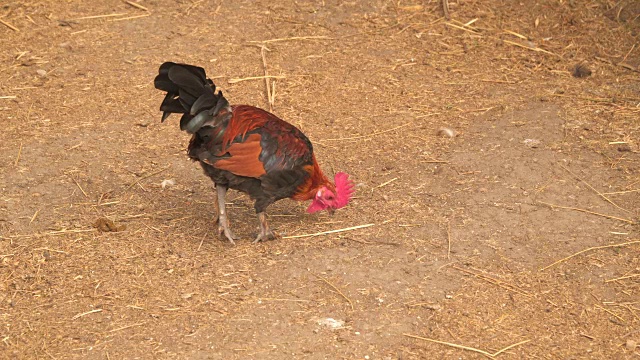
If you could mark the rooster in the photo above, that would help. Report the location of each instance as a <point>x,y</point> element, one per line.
<point>248,149</point>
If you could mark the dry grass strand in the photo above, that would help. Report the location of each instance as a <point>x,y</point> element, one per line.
<point>587,211</point>
<point>293,38</point>
<point>369,135</point>
<point>9,26</point>
<point>136,5</point>
<point>334,288</point>
<point>590,249</point>
<point>462,347</point>
<point>500,283</point>
<point>594,190</point>
<point>328,232</point>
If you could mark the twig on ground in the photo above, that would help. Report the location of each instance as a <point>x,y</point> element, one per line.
<point>146,177</point>
<point>498,81</point>
<point>201,241</point>
<point>516,34</point>
<point>536,49</point>
<point>131,17</point>
<point>461,28</point>
<point>65,231</point>
<point>328,232</point>
<point>386,183</point>
<point>369,135</point>
<point>477,110</point>
<point>622,278</point>
<point>79,187</point>
<point>292,300</point>
<point>610,312</point>
<point>486,353</point>
<point>628,53</point>
<point>51,233</point>
<point>54,250</point>
<point>85,313</point>
<point>500,283</point>
<point>334,288</point>
<point>292,39</point>
<point>237,80</point>
<point>621,192</point>
<point>9,26</point>
<point>270,95</point>
<point>35,215</point>
<point>587,211</point>
<point>126,327</point>
<point>99,16</point>
<point>590,249</point>
<point>594,190</point>
<point>621,64</point>
<point>599,100</point>
<point>136,5</point>
<point>15,163</point>
<point>449,240</point>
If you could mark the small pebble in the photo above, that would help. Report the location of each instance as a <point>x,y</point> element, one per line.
<point>532,143</point>
<point>169,182</point>
<point>41,72</point>
<point>331,323</point>
<point>631,345</point>
<point>446,132</point>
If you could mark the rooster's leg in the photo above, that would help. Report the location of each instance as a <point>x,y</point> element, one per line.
<point>217,219</point>
<point>265,232</point>
<point>223,222</point>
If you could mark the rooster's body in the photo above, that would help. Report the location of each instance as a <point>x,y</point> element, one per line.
<point>246,148</point>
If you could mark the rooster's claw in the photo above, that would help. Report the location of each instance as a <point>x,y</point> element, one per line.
<point>270,235</point>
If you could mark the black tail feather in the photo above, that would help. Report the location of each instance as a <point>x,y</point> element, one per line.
<point>202,103</point>
<point>189,92</point>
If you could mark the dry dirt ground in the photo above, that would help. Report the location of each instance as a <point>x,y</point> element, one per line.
<point>518,237</point>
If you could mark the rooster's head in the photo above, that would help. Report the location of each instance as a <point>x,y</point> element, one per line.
<point>332,197</point>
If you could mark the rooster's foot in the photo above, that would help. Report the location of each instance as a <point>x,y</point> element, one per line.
<point>269,235</point>
<point>226,232</point>
<point>265,233</point>
<point>223,222</point>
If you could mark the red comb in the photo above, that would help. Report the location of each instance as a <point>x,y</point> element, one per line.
<point>344,189</point>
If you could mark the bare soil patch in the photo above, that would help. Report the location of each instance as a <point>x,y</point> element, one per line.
<point>517,237</point>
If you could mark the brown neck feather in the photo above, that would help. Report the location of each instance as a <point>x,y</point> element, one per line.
<point>308,189</point>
